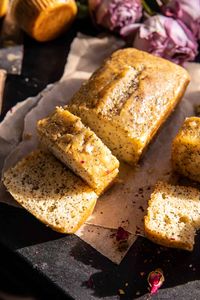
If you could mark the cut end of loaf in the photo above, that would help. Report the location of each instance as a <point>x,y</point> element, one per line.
<point>51,192</point>
<point>186,149</point>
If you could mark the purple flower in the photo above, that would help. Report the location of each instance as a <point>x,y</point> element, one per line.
<point>116,14</point>
<point>188,11</point>
<point>168,38</point>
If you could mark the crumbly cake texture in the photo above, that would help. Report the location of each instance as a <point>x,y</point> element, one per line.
<point>173,216</point>
<point>50,191</point>
<point>186,149</point>
<point>127,99</point>
<point>79,148</point>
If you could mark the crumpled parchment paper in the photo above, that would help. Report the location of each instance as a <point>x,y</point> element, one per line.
<point>125,203</point>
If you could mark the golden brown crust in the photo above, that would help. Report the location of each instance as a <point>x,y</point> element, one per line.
<point>161,239</point>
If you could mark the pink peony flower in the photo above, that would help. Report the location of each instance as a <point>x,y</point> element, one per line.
<point>168,38</point>
<point>116,14</point>
<point>188,11</point>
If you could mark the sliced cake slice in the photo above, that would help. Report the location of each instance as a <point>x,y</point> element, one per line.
<point>50,191</point>
<point>186,149</point>
<point>79,148</point>
<point>173,216</point>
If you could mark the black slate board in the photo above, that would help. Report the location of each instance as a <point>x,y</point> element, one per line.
<point>60,266</point>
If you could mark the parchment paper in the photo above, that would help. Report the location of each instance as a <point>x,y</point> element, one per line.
<point>125,203</point>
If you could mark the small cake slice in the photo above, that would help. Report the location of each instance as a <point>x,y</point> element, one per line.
<point>173,216</point>
<point>186,149</point>
<point>79,148</point>
<point>51,192</point>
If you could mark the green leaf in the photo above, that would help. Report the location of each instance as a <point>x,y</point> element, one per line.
<point>83,11</point>
<point>151,7</point>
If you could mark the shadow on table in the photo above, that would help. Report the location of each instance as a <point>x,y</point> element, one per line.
<point>22,229</point>
<point>179,267</point>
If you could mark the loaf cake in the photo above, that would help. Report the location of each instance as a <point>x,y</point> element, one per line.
<point>50,191</point>
<point>127,99</point>
<point>173,216</point>
<point>79,148</point>
<point>44,20</point>
<point>186,149</point>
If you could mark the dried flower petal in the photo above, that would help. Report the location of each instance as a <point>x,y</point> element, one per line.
<point>121,234</point>
<point>90,283</point>
<point>155,280</point>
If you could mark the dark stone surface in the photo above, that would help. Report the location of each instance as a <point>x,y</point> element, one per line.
<point>54,266</point>
<point>68,263</point>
